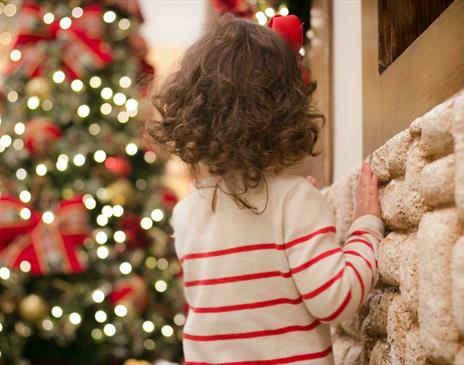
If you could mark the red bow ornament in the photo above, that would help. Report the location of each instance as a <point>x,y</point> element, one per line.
<point>49,248</point>
<point>83,47</point>
<point>290,28</point>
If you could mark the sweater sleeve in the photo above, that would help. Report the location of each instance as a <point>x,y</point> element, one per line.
<point>332,280</point>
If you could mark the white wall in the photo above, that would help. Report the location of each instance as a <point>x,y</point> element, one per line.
<point>347,85</point>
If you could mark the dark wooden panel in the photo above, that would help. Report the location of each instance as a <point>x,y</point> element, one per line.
<point>401,22</point>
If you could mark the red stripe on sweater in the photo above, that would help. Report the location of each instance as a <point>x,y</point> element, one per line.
<point>315,259</point>
<point>244,306</point>
<point>360,240</point>
<point>356,253</point>
<point>359,232</point>
<point>323,287</point>
<point>262,275</point>
<point>282,360</point>
<point>256,246</point>
<point>253,334</point>
<point>361,283</point>
<point>340,309</point>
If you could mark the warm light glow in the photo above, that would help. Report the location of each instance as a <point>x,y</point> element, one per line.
<point>48,18</point>
<point>157,215</point>
<point>106,108</point>
<point>269,12</point>
<point>10,10</point>
<point>132,104</point>
<point>148,326</point>
<point>101,237</point>
<point>131,149</point>
<point>283,11</point>
<point>149,156</point>
<point>33,102</point>
<point>25,213</point>
<point>125,268</point>
<point>79,159</point>
<point>65,23</point>
<point>89,201</point>
<point>163,264</point>
<point>146,223</point>
<point>77,12</point>
<point>15,55</point>
<point>25,196</point>
<point>98,296</point>
<point>124,24</point>
<point>102,220</point>
<point>100,316</point>
<point>109,16</point>
<point>83,111</point>
<point>262,18</point>
<point>19,128</point>
<point>179,319</point>
<point>161,286</point>
<point>21,174</point>
<point>41,169</point>
<point>4,273</point>
<point>120,310</point>
<point>119,99</point>
<point>119,236</point>
<point>47,325</point>
<point>57,312</point>
<point>75,318</point>
<point>58,76</point>
<point>125,82</point>
<point>25,266</point>
<point>118,210</point>
<point>167,331</point>
<point>12,96</point>
<point>99,156</point>
<point>103,252</point>
<point>109,329</point>
<point>77,85</point>
<point>95,82</point>
<point>5,141</point>
<point>62,162</point>
<point>97,334</point>
<point>106,93</point>
<point>94,129</point>
<point>48,217</point>
<point>123,117</point>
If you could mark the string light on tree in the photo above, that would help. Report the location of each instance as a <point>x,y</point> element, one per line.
<point>48,217</point>
<point>119,99</point>
<point>109,16</point>
<point>48,18</point>
<point>125,82</point>
<point>5,141</point>
<point>102,220</point>
<point>131,149</point>
<point>25,213</point>
<point>58,77</point>
<point>99,156</point>
<point>77,85</point>
<point>148,326</point>
<point>119,236</point>
<point>77,12</point>
<point>106,108</point>
<point>106,93</point>
<point>94,129</point>
<point>107,211</point>
<point>57,312</point>
<point>33,102</point>
<point>83,111</point>
<point>95,82</point>
<point>15,55</point>
<point>75,318</point>
<point>41,169</point>
<point>98,296</point>
<point>65,23</point>
<point>4,273</point>
<point>19,128</point>
<point>18,144</point>
<point>79,160</point>
<point>89,202</point>
<point>167,330</point>
<point>100,316</point>
<point>125,268</point>
<point>12,96</point>
<point>96,334</point>
<point>102,252</point>
<point>25,196</point>
<point>124,24</point>
<point>161,286</point>
<point>120,310</point>
<point>62,162</point>
<point>157,215</point>
<point>101,237</point>
<point>146,223</point>
<point>118,210</point>
<point>109,329</point>
<point>25,266</point>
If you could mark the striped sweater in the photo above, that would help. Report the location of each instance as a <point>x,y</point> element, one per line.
<point>263,289</point>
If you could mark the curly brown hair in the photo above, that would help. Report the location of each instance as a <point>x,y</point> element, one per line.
<point>238,105</point>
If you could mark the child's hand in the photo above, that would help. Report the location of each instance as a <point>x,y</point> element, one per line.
<point>367,198</point>
<point>313,181</point>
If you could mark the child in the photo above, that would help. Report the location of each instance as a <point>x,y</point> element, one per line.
<point>263,275</point>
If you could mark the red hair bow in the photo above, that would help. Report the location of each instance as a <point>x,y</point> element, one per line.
<point>290,28</point>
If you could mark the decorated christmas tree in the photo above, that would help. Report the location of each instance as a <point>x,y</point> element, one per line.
<point>88,273</point>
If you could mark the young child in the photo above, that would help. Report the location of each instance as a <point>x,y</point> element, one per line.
<point>263,275</point>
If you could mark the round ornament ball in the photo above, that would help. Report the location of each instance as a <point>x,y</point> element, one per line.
<point>33,308</point>
<point>41,133</point>
<point>132,292</point>
<point>120,192</point>
<point>38,86</point>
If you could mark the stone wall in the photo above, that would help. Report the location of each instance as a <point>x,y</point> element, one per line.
<point>416,313</point>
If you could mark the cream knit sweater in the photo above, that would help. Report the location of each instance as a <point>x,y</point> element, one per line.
<point>263,289</point>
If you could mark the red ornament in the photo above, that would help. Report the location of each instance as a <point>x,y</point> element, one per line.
<point>168,198</point>
<point>237,7</point>
<point>41,133</point>
<point>136,236</point>
<point>50,248</point>
<point>131,292</point>
<point>120,166</point>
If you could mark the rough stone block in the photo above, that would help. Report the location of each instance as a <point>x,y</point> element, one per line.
<point>459,359</point>
<point>388,161</point>
<point>402,207</point>
<point>438,231</point>
<point>436,139</point>
<point>457,277</point>
<point>408,274</point>
<point>379,354</point>
<point>346,351</point>
<point>375,322</point>
<point>389,256</point>
<point>437,182</point>
<point>399,323</point>
<point>414,351</point>
<point>458,137</point>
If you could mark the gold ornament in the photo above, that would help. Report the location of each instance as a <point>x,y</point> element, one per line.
<point>38,86</point>
<point>120,192</point>
<point>33,308</point>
